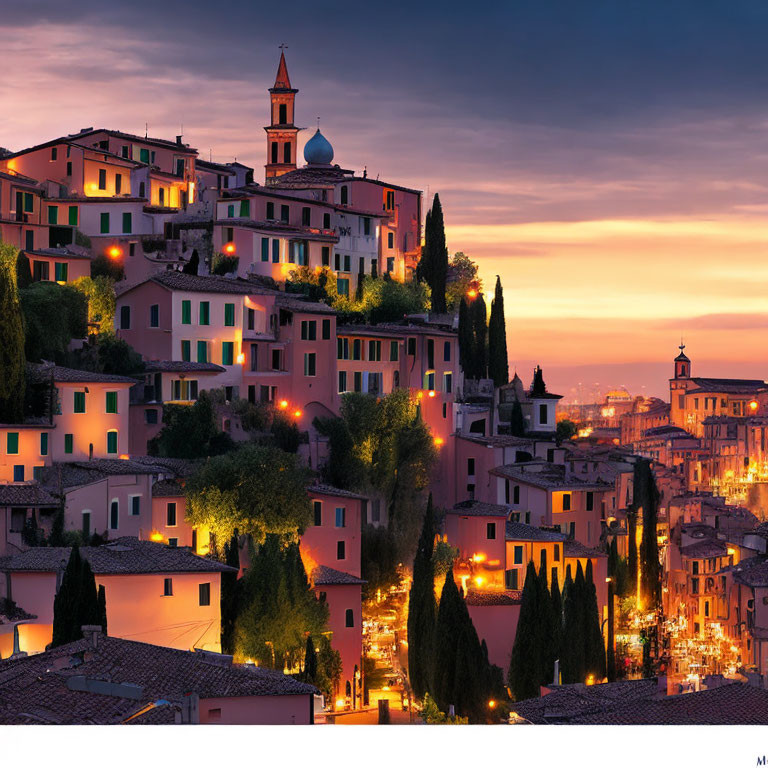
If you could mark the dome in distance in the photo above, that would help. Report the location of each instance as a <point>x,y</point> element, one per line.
<point>318,150</point>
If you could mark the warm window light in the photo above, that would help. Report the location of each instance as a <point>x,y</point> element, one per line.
<point>731,551</point>
<point>591,680</point>
<point>439,441</point>
<point>283,404</point>
<point>753,405</point>
<point>479,580</point>
<point>431,392</point>
<point>478,558</point>
<point>491,704</point>
<point>156,536</point>
<point>229,248</point>
<point>114,252</point>
<point>241,358</point>
<point>340,703</point>
<point>124,456</point>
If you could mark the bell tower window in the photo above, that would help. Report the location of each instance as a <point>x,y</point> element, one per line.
<point>274,151</point>
<point>283,114</point>
<point>287,152</point>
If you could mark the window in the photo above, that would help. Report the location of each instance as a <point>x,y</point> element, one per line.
<point>161,196</point>
<point>69,168</point>
<point>590,501</point>
<point>53,214</point>
<point>341,550</point>
<point>543,414</point>
<point>124,151</point>
<point>447,351</point>
<point>112,441</point>
<point>144,156</point>
<point>310,364</point>
<point>111,402</point>
<point>79,406</point>
<point>43,443</point>
<point>326,221</point>
<point>275,251</point>
<point>566,502</point>
<point>357,381</point>
<point>342,349</point>
<point>342,286</point>
<point>205,594</point>
<point>510,579</point>
<point>54,152</point>
<point>390,239</point>
<point>342,382</point>
<point>374,351</point>
<point>72,215</point>
<point>357,349</point>
<point>309,330</point>
<point>273,152</point>
<point>518,555</point>
<point>275,359</point>
<point>86,525</point>
<point>154,316</point>
<point>119,185</point>
<point>12,443</point>
<point>227,352</point>
<point>345,195</point>
<point>366,226</point>
<point>556,557</point>
<point>135,505</point>
<point>170,514</point>
<point>229,314</point>
<point>286,152</point>
<point>40,270</point>
<point>470,466</point>
<point>305,217</point>
<point>282,111</point>
<point>349,618</point>
<point>186,352</point>
<point>341,517</point>
<point>516,495</point>
<point>448,382</point>
<point>150,416</point>
<point>318,510</point>
<point>326,329</point>
<point>186,312</point>
<point>69,443</point>
<point>411,346</point>
<point>270,211</point>
<point>29,202</point>
<point>394,351</point>
<point>245,209</point>
<point>114,514</point>
<point>205,313</point>
<point>60,272</point>
<point>127,223</point>
<point>125,317</point>
<point>104,222</point>
<point>102,178</point>
<point>231,211</point>
<point>490,531</point>
<point>18,473</point>
<point>167,587</point>
<point>285,212</point>
<point>142,190</point>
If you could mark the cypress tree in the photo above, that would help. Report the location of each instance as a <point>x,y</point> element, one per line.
<point>447,630</point>
<point>573,627</point>
<point>190,268</point>
<point>631,550</point>
<point>57,529</point>
<point>229,595</point>
<point>546,629</point>
<point>77,602</point>
<point>102,598</point>
<point>12,359</point>
<point>613,559</point>
<point>595,648</point>
<point>89,612</point>
<point>646,497</point>
<point>479,319</point>
<point>310,661</point>
<point>466,343</point>
<point>558,641</point>
<point>422,609</point>
<point>498,366</point>
<point>517,425</point>
<point>433,265</point>
<point>525,664</point>
<point>23,272</point>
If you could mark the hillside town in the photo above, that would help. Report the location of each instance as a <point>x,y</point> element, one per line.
<point>265,459</point>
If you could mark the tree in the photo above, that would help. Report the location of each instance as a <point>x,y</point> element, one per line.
<point>498,366</point>
<point>278,607</point>
<point>517,420</point>
<point>646,502</point>
<point>57,529</point>
<point>23,271</point>
<point>466,341</point>
<point>565,430</point>
<point>462,277</point>
<point>106,353</point>
<point>595,648</point>
<point>106,266</point>
<point>191,267</point>
<point>100,293</point>
<point>422,610</point>
<point>574,662</point>
<point>528,652</point>
<point>558,638</point>
<point>12,353</point>
<point>285,433</point>
<point>102,598</point>
<point>255,489</point>
<point>77,603</point>
<point>479,318</point>
<point>229,594</point>
<point>433,265</point>
<point>53,316</point>
<point>310,661</point>
<point>189,432</point>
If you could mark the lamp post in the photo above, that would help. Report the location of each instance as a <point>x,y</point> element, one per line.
<point>611,651</point>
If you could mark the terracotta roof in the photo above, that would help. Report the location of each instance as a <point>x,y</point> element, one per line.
<point>58,253</point>
<point>753,571</point>
<point>730,704</point>
<point>31,495</point>
<point>179,366</point>
<point>322,575</point>
<point>727,385</point>
<point>123,555</point>
<point>167,488</point>
<point>180,281</point>
<point>523,532</point>
<point>368,330</point>
<point>573,548</point>
<point>328,490</point>
<point>472,508</point>
<point>549,476</point>
<point>507,597</point>
<point>74,376</point>
<point>35,689</point>
<point>704,549</point>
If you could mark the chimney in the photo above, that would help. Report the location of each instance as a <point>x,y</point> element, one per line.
<point>92,632</point>
<point>178,139</point>
<point>190,709</point>
<point>556,680</point>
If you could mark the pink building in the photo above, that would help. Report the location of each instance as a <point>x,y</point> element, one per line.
<point>155,593</point>
<point>59,265</point>
<point>21,211</point>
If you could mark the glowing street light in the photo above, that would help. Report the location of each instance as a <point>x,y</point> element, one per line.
<point>229,248</point>
<point>114,252</point>
<point>283,404</point>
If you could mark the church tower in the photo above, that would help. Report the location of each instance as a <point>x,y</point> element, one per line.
<point>682,365</point>
<point>281,133</point>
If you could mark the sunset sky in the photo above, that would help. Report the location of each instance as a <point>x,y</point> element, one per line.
<point>607,158</point>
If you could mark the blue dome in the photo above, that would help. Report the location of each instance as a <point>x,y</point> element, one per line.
<point>318,150</point>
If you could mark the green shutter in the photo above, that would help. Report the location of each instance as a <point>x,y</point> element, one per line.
<point>111,442</point>
<point>186,312</point>
<point>111,402</point>
<point>265,249</point>
<point>12,442</point>
<point>185,351</point>
<point>275,251</point>
<point>230,211</point>
<point>60,272</point>
<point>202,352</point>
<point>127,223</point>
<point>29,202</point>
<point>245,209</point>
<point>53,214</point>
<point>205,313</point>
<point>43,443</point>
<point>72,215</point>
<point>104,218</point>
<point>79,402</point>
<point>229,314</point>
<point>68,443</point>
<point>144,156</point>
<point>227,352</point>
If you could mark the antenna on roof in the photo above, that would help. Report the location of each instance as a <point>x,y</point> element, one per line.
<point>146,130</point>
<point>318,122</point>
<point>210,155</point>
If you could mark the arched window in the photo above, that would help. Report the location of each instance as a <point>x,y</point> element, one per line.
<point>283,110</point>
<point>287,152</point>
<point>274,151</point>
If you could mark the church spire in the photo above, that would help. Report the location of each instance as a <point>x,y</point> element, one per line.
<point>281,132</point>
<point>282,81</point>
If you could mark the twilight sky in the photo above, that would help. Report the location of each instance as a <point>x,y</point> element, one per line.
<point>608,159</point>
